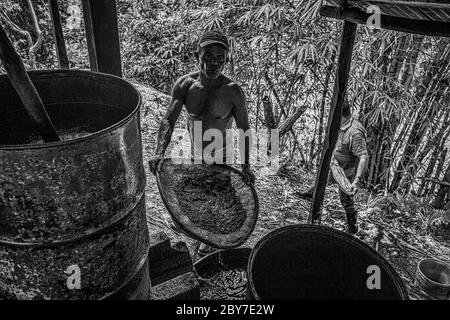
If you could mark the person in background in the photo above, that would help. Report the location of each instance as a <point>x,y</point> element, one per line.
<point>211,100</point>
<point>352,156</point>
<point>442,200</point>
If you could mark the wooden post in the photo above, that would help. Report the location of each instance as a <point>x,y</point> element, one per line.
<point>58,35</point>
<point>334,119</point>
<point>25,89</point>
<point>102,34</point>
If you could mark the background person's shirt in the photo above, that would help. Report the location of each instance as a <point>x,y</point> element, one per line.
<point>351,144</point>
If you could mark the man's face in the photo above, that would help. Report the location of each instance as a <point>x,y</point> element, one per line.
<point>212,60</point>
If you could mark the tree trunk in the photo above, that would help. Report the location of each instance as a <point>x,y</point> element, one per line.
<point>425,94</point>
<point>277,98</point>
<point>384,158</point>
<point>312,147</point>
<point>438,152</point>
<point>374,130</point>
<point>412,60</point>
<point>286,126</point>
<point>269,119</point>
<point>372,179</point>
<point>39,37</point>
<point>438,202</point>
<point>268,113</point>
<point>435,138</point>
<point>403,133</point>
<point>408,163</point>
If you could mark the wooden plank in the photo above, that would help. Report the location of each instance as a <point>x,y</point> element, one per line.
<point>102,34</point>
<point>167,261</point>
<point>183,287</point>
<point>58,35</point>
<point>25,89</point>
<point>443,4</point>
<point>429,28</point>
<point>334,119</point>
<point>404,9</point>
<point>439,4</point>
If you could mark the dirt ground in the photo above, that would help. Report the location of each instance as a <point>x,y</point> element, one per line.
<point>394,226</point>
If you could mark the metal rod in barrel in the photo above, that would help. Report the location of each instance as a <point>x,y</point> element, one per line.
<point>25,89</point>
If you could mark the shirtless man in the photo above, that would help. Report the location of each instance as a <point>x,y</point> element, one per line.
<point>210,98</point>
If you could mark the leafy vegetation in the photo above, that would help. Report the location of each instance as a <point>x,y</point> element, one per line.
<point>283,54</point>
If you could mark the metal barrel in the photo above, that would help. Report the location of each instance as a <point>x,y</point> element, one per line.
<point>319,263</point>
<point>433,277</point>
<point>72,213</point>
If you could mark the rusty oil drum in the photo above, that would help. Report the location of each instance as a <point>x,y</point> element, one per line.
<point>72,213</point>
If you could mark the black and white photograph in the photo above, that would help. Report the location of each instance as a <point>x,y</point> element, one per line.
<point>220,158</point>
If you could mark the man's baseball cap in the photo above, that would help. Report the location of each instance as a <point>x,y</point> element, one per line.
<point>213,37</point>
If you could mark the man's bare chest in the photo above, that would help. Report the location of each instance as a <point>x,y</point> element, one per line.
<point>204,103</point>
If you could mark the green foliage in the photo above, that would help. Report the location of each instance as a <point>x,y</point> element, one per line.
<point>279,49</point>
<point>17,12</point>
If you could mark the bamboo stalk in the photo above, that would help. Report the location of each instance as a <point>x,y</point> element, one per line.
<point>443,183</point>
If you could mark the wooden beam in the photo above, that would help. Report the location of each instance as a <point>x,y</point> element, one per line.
<point>58,35</point>
<point>425,27</point>
<point>334,119</point>
<point>102,34</point>
<point>431,4</point>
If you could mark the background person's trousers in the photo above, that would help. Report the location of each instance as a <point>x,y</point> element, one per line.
<point>348,202</point>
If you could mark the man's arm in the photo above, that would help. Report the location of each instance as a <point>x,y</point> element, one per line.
<point>168,123</point>
<point>340,177</point>
<point>240,115</point>
<point>363,159</point>
<point>359,148</point>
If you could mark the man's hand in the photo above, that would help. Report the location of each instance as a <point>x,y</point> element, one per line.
<point>249,176</point>
<point>155,164</point>
<point>355,185</point>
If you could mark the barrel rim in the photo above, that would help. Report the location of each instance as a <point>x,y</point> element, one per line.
<point>419,270</point>
<point>63,72</point>
<point>403,293</point>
